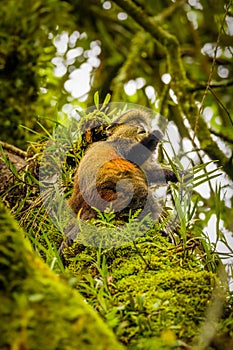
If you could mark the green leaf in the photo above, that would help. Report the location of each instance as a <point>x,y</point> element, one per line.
<point>96,99</point>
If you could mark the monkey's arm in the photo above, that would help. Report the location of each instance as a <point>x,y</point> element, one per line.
<point>157,175</point>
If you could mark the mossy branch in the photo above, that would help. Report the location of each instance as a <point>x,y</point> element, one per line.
<point>39,311</point>
<point>214,85</point>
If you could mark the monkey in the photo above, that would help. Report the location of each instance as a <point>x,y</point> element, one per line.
<point>119,171</point>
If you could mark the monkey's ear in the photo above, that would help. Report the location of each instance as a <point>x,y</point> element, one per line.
<point>110,128</point>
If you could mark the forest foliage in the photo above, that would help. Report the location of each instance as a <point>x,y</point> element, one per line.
<point>174,57</point>
<point>59,57</point>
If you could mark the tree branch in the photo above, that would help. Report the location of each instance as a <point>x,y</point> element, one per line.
<point>179,82</point>
<point>13,149</point>
<point>215,85</point>
<point>153,26</point>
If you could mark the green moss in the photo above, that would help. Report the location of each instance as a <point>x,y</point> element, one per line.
<point>37,310</point>
<point>148,291</point>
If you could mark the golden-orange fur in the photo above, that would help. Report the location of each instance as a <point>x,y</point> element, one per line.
<point>117,173</point>
<point>98,180</point>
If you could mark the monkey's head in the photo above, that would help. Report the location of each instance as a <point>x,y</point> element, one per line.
<point>133,135</point>
<point>133,125</point>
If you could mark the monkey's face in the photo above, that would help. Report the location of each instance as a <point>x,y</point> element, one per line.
<point>133,132</point>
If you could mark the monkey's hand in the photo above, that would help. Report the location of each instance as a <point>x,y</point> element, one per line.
<point>151,141</point>
<point>139,153</point>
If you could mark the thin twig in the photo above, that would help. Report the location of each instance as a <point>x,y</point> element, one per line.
<point>211,71</point>
<point>13,149</point>
<point>221,104</point>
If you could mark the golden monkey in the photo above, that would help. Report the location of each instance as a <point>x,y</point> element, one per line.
<point>119,171</point>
